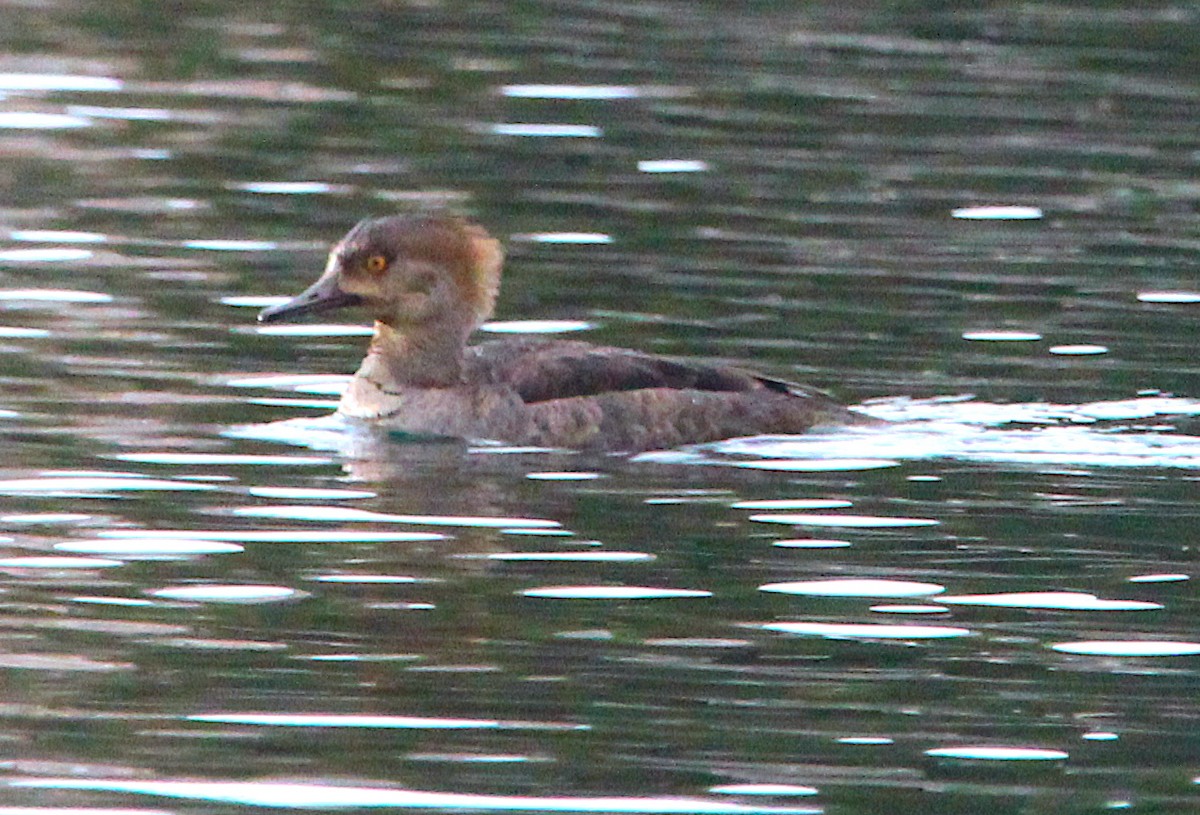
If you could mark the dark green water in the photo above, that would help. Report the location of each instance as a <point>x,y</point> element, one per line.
<point>279,613</point>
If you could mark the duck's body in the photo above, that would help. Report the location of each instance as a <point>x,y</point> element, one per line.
<point>582,396</point>
<point>432,280</point>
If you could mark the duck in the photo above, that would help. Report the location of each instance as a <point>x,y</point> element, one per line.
<point>430,280</point>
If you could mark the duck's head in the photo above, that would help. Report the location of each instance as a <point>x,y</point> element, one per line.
<point>408,272</point>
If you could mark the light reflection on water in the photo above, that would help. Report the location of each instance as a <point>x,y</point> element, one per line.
<point>855,588</point>
<point>1127,433</point>
<point>215,593</point>
<point>314,796</point>
<point>869,631</point>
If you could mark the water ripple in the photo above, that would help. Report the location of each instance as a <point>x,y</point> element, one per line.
<point>338,720</point>
<point>613,593</point>
<point>65,486</point>
<point>236,594</point>
<point>319,796</point>
<point>344,514</point>
<point>1102,434</point>
<point>868,631</point>
<point>850,587</point>
<point>1057,600</point>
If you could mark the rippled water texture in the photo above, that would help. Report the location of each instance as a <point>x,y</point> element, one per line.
<point>978,222</point>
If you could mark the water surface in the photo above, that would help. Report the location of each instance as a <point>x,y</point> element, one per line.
<point>979,223</point>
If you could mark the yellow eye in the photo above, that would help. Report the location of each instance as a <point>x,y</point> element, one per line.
<point>376,264</point>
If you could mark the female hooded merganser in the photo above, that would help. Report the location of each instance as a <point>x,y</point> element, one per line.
<point>430,281</point>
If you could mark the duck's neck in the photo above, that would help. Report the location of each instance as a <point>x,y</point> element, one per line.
<point>417,359</point>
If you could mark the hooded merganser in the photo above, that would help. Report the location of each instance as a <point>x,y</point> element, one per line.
<point>430,281</point>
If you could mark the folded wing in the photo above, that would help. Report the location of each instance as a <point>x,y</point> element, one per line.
<point>543,371</point>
